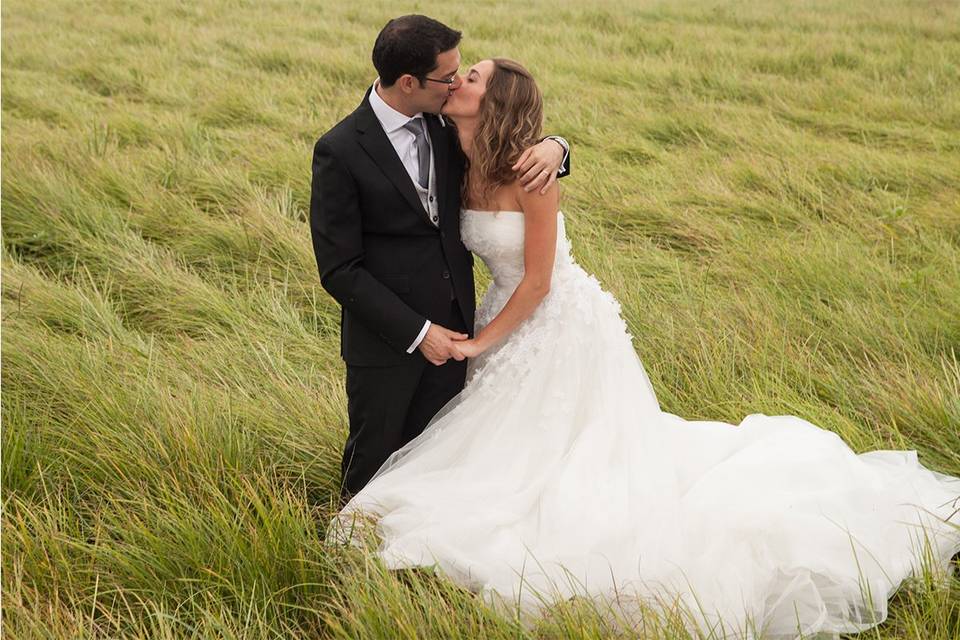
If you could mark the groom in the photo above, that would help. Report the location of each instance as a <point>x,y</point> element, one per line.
<point>385,222</point>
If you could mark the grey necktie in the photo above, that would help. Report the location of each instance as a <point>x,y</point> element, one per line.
<point>415,127</point>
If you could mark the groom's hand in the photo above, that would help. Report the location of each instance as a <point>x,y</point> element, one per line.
<point>437,345</point>
<point>539,164</point>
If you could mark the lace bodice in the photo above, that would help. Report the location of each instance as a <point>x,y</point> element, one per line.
<point>497,237</point>
<point>575,296</point>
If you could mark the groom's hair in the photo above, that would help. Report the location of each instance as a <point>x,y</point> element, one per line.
<point>410,44</point>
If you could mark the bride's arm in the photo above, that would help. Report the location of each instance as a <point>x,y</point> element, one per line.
<point>539,251</point>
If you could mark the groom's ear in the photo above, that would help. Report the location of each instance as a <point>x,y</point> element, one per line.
<point>407,83</point>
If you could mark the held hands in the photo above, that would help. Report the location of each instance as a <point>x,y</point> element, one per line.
<point>468,348</point>
<point>539,164</point>
<point>439,345</point>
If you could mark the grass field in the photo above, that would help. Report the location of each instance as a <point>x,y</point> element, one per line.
<point>772,192</point>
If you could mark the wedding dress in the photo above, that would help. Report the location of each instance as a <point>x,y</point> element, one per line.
<point>555,473</point>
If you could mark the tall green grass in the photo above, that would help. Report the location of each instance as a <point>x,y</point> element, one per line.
<point>770,190</point>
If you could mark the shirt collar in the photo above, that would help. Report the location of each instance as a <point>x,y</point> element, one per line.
<point>389,118</point>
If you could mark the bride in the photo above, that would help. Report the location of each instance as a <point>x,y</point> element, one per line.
<point>555,473</point>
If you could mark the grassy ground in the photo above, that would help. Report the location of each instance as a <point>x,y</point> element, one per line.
<point>771,192</point>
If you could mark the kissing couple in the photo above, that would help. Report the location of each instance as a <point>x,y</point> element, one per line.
<point>519,446</point>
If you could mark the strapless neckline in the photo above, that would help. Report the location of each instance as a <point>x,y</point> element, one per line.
<point>491,211</point>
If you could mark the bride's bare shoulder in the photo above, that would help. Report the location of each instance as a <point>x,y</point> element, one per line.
<point>534,201</point>
<point>513,197</point>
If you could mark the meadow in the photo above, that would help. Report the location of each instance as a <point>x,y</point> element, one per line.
<point>771,190</point>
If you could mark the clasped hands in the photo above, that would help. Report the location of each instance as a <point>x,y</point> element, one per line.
<point>441,344</point>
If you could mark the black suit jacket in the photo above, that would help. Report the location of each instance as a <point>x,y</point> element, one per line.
<point>378,254</point>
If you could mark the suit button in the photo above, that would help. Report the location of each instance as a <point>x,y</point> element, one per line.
<point>443,234</point>
<point>446,275</point>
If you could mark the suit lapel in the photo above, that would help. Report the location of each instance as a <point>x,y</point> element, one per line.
<point>376,143</point>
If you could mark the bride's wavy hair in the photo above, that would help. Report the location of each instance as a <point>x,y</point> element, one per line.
<point>509,121</point>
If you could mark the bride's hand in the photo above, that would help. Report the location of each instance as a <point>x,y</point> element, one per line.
<point>468,348</point>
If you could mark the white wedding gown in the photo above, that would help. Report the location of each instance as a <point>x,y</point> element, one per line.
<point>555,473</point>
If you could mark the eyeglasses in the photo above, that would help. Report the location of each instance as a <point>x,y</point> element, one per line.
<point>447,82</point>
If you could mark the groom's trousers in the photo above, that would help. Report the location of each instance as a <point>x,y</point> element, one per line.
<point>389,406</point>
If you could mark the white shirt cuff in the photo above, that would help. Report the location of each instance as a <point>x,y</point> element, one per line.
<point>566,151</point>
<point>423,332</point>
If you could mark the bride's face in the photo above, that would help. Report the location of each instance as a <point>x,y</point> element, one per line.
<point>464,102</point>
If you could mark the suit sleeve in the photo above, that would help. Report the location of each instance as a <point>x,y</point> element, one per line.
<point>564,169</point>
<point>336,230</point>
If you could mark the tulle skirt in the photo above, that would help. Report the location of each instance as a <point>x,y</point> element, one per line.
<point>556,474</point>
